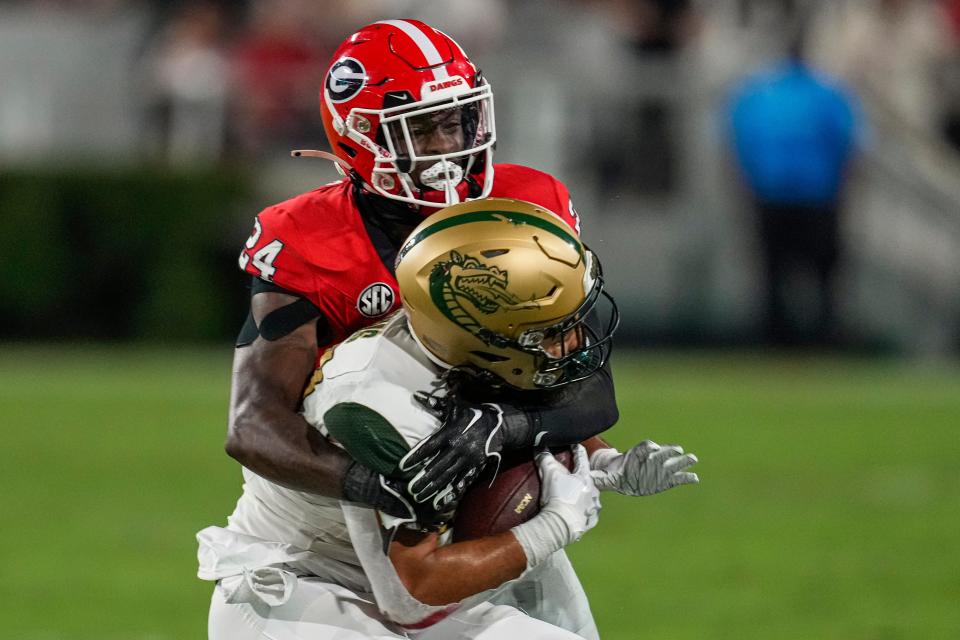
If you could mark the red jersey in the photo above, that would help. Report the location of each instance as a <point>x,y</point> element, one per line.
<point>317,245</point>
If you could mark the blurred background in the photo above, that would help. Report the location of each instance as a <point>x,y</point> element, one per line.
<point>139,139</point>
<point>772,186</point>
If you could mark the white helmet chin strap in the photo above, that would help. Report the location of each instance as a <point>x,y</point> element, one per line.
<point>444,176</point>
<point>441,174</point>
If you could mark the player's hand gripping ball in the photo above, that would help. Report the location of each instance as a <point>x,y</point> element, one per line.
<point>569,507</point>
<point>497,504</point>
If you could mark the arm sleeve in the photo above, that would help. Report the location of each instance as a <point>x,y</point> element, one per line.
<point>563,416</point>
<point>566,416</point>
<point>281,322</point>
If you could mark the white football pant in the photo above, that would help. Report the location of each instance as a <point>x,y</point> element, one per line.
<point>322,611</point>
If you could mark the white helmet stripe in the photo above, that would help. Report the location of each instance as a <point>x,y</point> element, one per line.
<point>427,48</point>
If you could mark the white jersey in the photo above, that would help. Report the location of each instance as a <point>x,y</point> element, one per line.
<point>364,389</point>
<point>361,397</point>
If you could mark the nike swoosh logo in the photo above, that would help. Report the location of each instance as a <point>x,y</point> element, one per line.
<point>476,416</point>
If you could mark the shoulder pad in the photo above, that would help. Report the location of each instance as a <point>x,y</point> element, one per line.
<point>524,183</point>
<point>279,248</point>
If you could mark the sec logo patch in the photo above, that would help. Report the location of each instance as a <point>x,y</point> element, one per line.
<point>375,300</point>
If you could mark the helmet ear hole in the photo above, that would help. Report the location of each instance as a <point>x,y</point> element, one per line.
<point>403,163</point>
<point>489,357</point>
<point>347,149</point>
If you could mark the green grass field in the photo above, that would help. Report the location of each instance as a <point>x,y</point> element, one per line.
<point>829,506</point>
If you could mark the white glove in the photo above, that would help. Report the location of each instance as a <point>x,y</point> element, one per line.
<point>569,507</point>
<point>644,470</point>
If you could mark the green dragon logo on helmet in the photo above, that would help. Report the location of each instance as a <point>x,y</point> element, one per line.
<point>464,277</point>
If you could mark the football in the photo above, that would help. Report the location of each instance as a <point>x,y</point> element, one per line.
<point>512,498</point>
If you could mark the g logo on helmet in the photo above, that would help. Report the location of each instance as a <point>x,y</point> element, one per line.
<point>347,76</point>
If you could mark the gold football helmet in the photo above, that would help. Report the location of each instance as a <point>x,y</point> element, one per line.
<point>504,287</point>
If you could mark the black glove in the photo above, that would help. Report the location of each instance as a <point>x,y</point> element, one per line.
<point>388,495</point>
<point>447,461</point>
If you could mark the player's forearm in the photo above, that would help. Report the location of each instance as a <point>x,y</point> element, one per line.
<point>283,448</point>
<point>265,432</point>
<point>437,575</point>
<point>575,414</point>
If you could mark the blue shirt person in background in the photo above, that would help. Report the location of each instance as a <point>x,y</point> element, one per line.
<point>794,131</point>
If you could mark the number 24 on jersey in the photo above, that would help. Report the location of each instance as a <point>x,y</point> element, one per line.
<point>264,257</point>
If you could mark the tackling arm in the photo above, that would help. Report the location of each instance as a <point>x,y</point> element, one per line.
<point>571,414</point>
<point>473,433</point>
<point>265,432</point>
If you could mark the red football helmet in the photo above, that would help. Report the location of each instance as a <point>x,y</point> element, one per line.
<point>405,109</point>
